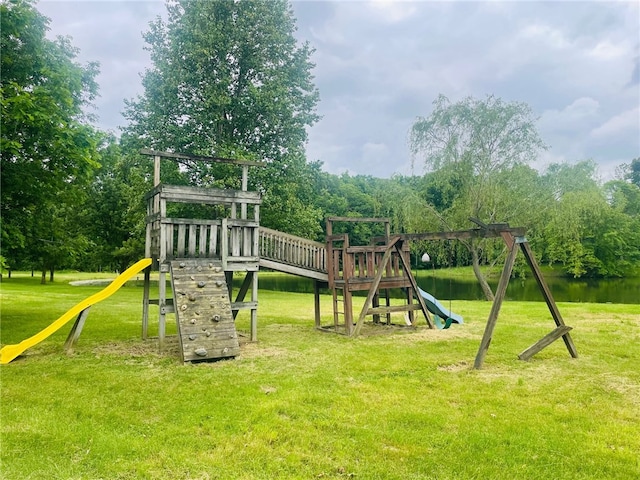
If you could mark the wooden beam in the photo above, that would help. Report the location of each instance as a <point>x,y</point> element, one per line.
<point>545,342</point>
<point>393,309</point>
<point>495,308</point>
<point>316,302</point>
<point>357,220</point>
<point>76,330</point>
<point>463,234</point>
<point>199,158</point>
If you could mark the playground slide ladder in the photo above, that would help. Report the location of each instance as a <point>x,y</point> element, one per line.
<point>338,307</point>
<point>206,328</point>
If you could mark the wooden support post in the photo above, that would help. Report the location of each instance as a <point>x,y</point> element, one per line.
<point>244,288</point>
<point>254,311</point>
<point>544,342</point>
<point>387,303</point>
<point>162,305</point>
<point>76,330</point>
<point>376,303</point>
<point>548,298</point>
<point>316,302</point>
<point>347,305</point>
<point>497,303</point>
<point>145,302</point>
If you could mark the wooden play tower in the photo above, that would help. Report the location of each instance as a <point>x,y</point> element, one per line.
<point>376,268</point>
<point>201,256</point>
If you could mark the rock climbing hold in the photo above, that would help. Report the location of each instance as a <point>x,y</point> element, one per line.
<point>192,321</point>
<point>182,264</point>
<point>225,350</point>
<point>216,318</point>
<point>192,337</point>
<point>192,297</point>
<point>192,277</point>
<point>208,334</point>
<point>201,284</point>
<point>199,268</point>
<point>201,352</point>
<point>183,307</point>
<point>219,283</point>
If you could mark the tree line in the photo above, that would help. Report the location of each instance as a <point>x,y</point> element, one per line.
<point>229,79</point>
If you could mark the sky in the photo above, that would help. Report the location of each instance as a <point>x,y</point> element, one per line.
<point>379,65</point>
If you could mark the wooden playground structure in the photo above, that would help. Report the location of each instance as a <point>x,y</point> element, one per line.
<point>202,255</point>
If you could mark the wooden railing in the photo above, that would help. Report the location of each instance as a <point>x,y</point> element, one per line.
<point>358,265</point>
<point>291,250</point>
<point>233,241</point>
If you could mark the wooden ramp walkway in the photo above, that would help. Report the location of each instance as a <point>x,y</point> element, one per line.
<point>291,254</point>
<point>206,328</point>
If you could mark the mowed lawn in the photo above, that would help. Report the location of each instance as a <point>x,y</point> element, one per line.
<point>305,404</point>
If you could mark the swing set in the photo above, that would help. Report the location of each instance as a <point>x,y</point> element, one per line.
<point>384,265</point>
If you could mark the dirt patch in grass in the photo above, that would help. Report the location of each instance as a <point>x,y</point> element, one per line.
<point>424,334</point>
<point>255,350</point>
<point>455,367</point>
<point>140,349</point>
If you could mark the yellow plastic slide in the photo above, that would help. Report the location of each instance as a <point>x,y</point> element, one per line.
<point>9,352</point>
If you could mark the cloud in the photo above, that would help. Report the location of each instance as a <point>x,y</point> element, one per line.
<point>380,64</point>
<point>619,125</point>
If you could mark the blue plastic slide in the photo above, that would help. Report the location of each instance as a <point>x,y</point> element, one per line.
<point>439,311</point>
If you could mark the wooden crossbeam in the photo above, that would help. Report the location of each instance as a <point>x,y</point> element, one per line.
<point>545,342</point>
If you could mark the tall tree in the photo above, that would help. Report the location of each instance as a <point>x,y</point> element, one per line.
<point>230,79</point>
<point>46,141</point>
<point>591,230</point>
<point>482,144</point>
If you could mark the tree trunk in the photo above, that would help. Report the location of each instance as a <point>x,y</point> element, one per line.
<point>43,278</point>
<point>475,258</point>
<point>51,274</point>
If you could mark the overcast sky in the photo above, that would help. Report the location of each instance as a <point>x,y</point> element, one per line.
<point>380,65</point>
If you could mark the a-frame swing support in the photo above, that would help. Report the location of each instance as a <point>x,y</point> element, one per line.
<point>561,330</point>
<point>514,238</point>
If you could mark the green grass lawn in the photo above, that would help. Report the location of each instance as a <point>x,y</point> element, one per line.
<point>306,404</point>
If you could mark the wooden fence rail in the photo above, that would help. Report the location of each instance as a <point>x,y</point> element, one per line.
<point>292,250</point>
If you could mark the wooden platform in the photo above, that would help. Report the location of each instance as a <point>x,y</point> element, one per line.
<point>206,327</point>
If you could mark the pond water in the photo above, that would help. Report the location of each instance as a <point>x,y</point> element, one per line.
<point>618,290</point>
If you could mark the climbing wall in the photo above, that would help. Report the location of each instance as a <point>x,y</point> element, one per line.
<point>206,327</point>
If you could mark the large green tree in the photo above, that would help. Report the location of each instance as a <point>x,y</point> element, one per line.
<point>230,79</point>
<point>591,230</point>
<point>46,140</point>
<point>483,145</point>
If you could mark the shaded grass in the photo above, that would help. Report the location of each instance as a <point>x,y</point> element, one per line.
<point>306,404</point>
